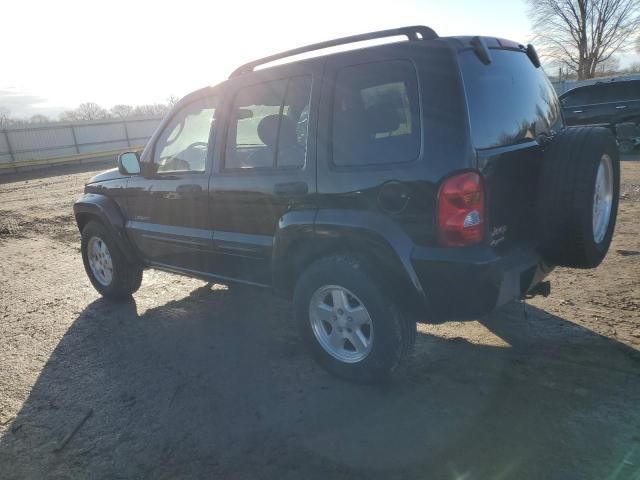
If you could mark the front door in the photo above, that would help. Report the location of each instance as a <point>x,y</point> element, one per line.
<point>265,166</point>
<point>168,216</point>
<point>586,106</point>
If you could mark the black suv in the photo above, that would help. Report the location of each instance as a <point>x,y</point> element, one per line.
<point>420,180</point>
<point>607,104</point>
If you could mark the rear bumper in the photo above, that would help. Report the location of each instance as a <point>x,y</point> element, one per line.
<point>468,283</point>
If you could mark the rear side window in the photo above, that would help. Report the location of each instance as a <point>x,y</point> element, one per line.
<point>632,90</point>
<point>376,114</point>
<point>509,100</point>
<point>613,92</point>
<point>626,91</point>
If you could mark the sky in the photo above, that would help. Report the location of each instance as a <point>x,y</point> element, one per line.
<point>58,54</point>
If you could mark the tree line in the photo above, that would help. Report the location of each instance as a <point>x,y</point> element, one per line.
<point>584,37</point>
<point>91,111</point>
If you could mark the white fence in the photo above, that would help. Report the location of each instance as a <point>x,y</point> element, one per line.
<point>30,144</point>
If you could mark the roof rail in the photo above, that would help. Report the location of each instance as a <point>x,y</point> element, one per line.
<point>417,32</point>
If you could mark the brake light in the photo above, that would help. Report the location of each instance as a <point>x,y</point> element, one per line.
<point>461,211</point>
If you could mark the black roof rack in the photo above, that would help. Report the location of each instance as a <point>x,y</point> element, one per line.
<point>417,32</point>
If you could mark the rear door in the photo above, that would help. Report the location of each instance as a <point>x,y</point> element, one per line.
<point>511,106</point>
<point>265,165</point>
<point>627,106</point>
<point>370,148</point>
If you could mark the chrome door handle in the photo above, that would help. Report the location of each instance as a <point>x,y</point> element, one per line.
<point>577,111</point>
<point>621,107</point>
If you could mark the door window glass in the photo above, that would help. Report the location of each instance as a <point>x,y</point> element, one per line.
<point>630,90</point>
<point>376,114</point>
<point>612,92</point>
<point>183,144</point>
<point>577,97</point>
<point>269,125</point>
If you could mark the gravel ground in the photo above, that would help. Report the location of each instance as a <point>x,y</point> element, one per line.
<point>191,379</point>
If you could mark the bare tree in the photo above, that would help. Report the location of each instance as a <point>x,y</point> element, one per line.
<point>122,110</point>
<point>172,100</point>
<point>609,67</point>
<point>68,116</point>
<point>85,111</point>
<point>154,109</point>
<point>633,68</point>
<point>38,118</point>
<point>582,34</point>
<point>91,111</point>
<point>5,117</point>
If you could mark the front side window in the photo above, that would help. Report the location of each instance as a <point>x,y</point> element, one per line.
<point>183,144</point>
<point>376,114</point>
<point>269,125</point>
<point>576,97</point>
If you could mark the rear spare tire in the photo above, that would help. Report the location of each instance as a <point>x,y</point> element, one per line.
<point>578,197</point>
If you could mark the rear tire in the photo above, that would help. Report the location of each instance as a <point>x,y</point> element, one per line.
<point>107,268</point>
<point>386,335</point>
<point>578,197</point>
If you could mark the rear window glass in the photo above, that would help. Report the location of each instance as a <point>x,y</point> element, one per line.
<point>376,114</point>
<point>509,100</point>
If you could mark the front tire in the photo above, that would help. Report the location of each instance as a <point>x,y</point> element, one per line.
<point>107,268</point>
<point>352,327</point>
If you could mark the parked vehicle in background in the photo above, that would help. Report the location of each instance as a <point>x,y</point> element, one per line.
<point>614,104</point>
<point>424,180</point>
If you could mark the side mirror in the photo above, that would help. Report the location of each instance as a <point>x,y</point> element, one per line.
<point>128,163</point>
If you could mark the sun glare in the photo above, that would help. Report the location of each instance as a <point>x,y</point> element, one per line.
<point>143,52</point>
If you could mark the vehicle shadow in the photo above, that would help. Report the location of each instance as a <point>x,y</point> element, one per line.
<point>217,385</point>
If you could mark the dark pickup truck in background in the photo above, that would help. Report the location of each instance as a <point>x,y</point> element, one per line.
<point>614,104</point>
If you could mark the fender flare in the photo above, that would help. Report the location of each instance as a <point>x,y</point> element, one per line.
<point>374,236</point>
<point>108,213</point>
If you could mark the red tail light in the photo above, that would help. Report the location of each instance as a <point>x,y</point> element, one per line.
<point>461,212</point>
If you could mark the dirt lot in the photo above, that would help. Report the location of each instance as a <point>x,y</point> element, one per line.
<point>199,380</point>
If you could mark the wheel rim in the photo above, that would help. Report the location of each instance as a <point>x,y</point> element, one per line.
<point>602,198</point>
<point>341,324</point>
<point>100,261</point>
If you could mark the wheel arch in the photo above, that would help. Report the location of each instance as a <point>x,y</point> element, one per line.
<point>381,246</point>
<point>104,210</point>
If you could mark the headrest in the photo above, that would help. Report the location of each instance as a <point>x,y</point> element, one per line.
<point>382,118</point>
<point>268,130</point>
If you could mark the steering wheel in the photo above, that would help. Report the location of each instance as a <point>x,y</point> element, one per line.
<point>179,164</point>
<point>198,144</point>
